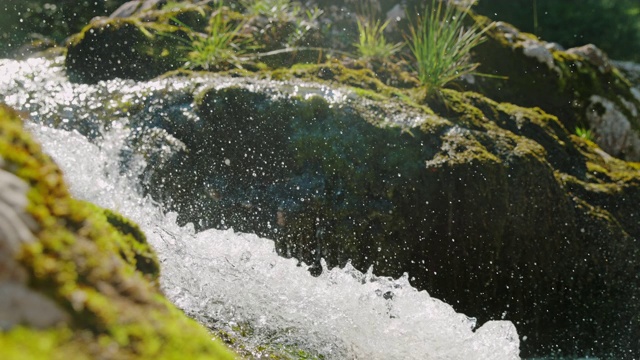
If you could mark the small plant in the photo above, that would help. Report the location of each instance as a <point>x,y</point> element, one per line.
<point>222,43</point>
<point>303,24</point>
<point>584,133</point>
<point>371,41</point>
<point>441,44</point>
<point>281,10</point>
<point>285,20</point>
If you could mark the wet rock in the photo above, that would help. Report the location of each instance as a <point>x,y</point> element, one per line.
<point>612,126</point>
<point>124,48</point>
<point>18,303</point>
<point>34,25</point>
<point>469,196</point>
<point>139,41</point>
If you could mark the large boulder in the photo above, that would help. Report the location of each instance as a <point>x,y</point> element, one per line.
<point>495,208</point>
<point>145,39</point>
<point>78,281</point>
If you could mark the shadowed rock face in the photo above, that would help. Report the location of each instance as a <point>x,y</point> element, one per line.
<point>494,208</point>
<point>124,48</point>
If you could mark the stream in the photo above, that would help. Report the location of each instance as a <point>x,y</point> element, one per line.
<point>230,281</point>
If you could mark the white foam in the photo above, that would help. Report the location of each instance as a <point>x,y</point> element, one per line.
<point>226,279</point>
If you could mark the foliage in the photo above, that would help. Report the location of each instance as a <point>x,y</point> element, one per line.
<point>222,43</point>
<point>584,133</point>
<point>372,43</point>
<point>282,10</point>
<point>441,44</point>
<point>612,25</point>
<point>303,24</point>
<point>283,13</point>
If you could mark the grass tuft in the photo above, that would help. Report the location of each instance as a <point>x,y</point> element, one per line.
<point>441,44</point>
<point>371,41</point>
<point>584,133</point>
<point>221,45</point>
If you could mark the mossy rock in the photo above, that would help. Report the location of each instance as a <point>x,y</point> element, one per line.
<point>580,86</point>
<point>87,273</point>
<point>127,48</point>
<point>30,26</point>
<point>467,195</point>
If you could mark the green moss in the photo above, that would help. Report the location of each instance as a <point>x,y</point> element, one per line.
<point>26,343</point>
<point>133,246</point>
<point>97,267</point>
<point>335,72</point>
<point>564,89</point>
<point>237,340</point>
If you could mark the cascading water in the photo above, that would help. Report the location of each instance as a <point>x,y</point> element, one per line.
<point>230,281</point>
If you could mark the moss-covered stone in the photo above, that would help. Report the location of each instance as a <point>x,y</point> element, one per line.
<point>580,86</point>
<point>126,48</point>
<point>95,266</point>
<point>467,195</point>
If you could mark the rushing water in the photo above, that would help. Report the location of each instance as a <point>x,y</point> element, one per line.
<point>226,280</point>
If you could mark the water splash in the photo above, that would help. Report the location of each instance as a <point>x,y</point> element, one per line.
<point>225,279</point>
<point>236,282</point>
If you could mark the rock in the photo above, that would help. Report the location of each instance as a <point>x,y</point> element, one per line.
<point>469,196</point>
<point>30,26</point>
<point>125,48</point>
<point>568,84</point>
<point>16,226</point>
<point>594,56</point>
<point>612,126</point>
<point>78,281</point>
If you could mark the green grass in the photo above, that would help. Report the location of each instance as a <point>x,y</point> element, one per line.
<point>441,45</point>
<point>222,45</point>
<point>584,133</point>
<point>282,12</point>
<point>371,41</point>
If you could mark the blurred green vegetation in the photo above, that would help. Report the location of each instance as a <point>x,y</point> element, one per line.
<point>612,25</point>
<point>40,21</point>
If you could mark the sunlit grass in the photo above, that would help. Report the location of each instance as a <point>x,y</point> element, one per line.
<point>221,45</point>
<point>584,133</point>
<point>441,44</point>
<point>281,10</point>
<point>371,41</point>
<point>281,13</point>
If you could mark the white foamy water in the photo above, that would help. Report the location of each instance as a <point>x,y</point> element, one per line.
<point>237,282</point>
